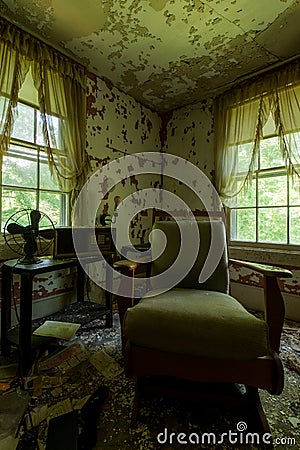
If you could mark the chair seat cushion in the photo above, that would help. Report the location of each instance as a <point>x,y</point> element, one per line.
<point>196,322</point>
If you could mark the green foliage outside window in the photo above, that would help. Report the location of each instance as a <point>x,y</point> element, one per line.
<point>268,210</point>
<point>26,179</point>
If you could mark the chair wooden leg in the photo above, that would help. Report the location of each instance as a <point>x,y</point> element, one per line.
<point>123,304</point>
<point>259,414</point>
<point>136,404</point>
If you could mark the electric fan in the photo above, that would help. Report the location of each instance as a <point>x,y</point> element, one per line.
<point>29,233</point>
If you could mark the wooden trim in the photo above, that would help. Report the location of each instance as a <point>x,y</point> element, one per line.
<point>267,270</point>
<point>260,372</point>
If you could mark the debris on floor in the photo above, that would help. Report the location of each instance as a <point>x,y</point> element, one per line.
<point>13,405</point>
<point>105,364</point>
<point>61,361</point>
<point>8,376</point>
<point>65,379</point>
<point>67,382</point>
<point>54,328</point>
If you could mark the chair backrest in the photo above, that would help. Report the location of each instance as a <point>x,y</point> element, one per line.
<point>219,280</point>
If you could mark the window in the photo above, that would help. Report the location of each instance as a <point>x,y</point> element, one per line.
<point>267,211</point>
<point>26,181</point>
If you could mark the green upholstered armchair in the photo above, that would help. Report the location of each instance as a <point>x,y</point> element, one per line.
<point>199,332</point>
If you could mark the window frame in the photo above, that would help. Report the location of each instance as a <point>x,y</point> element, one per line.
<point>41,155</point>
<point>261,173</point>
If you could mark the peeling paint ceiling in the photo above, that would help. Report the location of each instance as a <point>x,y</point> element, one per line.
<point>165,53</point>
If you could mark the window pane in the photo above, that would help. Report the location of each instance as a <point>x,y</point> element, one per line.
<point>15,200</point>
<point>269,129</point>
<point>295,226</point>
<point>270,153</point>
<point>247,197</point>
<point>294,193</point>
<point>272,191</point>
<point>28,91</point>
<point>244,157</point>
<point>39,132</point>
<point>46,180</point>
<point>24,124</point>
<point>272,225</point>
<point>4,102</point>
<point>51,205</point>
<point>55,140</point>
<point>243,225</point>
<point>18,170</point>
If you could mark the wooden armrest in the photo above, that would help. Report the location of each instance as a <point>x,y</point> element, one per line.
<point>274,304</point>
<point>268,271</point>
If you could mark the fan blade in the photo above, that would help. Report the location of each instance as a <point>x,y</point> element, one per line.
<point>35,218</point>
<point>46,234</point>
<point>15,228</point>
<point>30,246</point>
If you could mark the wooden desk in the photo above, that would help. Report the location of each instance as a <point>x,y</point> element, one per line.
<point>27,273</point>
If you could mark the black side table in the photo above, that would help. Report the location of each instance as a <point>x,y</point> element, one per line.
<point>27,273</point>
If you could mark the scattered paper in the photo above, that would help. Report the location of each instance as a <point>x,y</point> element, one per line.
<point>61,330</point>
<point>59,409</point>
<point>57,392</point>
<point>13,405</point>
<point>37,415</point>
<point>46,381</point>
<point>295,421</point>
<point>64,360</point>
<point>79,403</point>
<point>105,364</point>
<point>37,387</point>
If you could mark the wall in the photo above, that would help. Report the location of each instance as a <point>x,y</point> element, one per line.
<point>116,125</point>
<point>247,285</point>
<point>190,134</point>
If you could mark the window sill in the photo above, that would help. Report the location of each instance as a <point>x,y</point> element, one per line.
<point>282,257</point>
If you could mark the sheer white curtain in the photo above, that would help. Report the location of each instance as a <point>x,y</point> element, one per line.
<point>240,117</point>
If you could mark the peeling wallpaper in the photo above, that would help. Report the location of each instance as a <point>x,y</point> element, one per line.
<point>190,134</point>
<point>244,275</point>
<point>118,125</point>
<point>48,285</point>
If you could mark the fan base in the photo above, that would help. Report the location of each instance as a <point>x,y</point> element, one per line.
<point>30,260</point>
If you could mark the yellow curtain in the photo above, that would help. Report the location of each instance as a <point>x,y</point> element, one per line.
<point>61,86</point>
<point>285,110</point>
<point>13,69</point>
<point>240,117</point>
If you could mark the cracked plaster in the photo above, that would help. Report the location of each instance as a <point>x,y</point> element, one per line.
<point>165,53</point>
